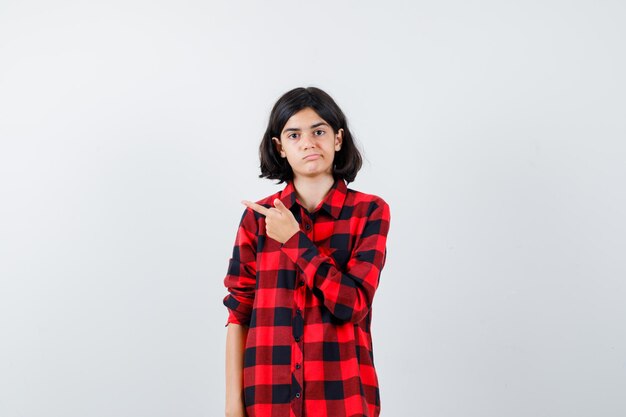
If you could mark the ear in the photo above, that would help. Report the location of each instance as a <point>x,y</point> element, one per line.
<point>338,140</point>
<point>279,147</point>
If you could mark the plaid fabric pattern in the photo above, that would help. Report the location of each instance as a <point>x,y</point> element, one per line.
<point>307,303</point>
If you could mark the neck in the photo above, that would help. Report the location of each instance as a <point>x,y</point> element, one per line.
<point>311,191</point>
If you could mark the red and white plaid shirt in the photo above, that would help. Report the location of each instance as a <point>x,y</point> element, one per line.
<point>307,303</point>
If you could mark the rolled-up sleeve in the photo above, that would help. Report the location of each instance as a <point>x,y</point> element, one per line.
<point>347,293</point>
<point>240,278</point>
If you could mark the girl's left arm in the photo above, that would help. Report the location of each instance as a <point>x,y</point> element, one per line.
<point>347,293</point>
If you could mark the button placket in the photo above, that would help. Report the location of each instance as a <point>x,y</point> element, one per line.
<point>298,326</point>
<point>307,221</point>
<point>298,357</point>
<point>298,322</point>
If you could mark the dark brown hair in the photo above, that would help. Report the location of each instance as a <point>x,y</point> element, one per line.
<point>347,161</point>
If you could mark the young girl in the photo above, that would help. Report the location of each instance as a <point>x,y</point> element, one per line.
<point>303,273</point>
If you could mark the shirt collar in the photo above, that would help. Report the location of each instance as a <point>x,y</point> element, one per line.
<point>332,203</point>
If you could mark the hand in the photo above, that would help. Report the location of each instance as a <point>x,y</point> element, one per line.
<point>280,224</point>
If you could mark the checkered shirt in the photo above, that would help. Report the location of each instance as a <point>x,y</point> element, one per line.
<point>307,304</point>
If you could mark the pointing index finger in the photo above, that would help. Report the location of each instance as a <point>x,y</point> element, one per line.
<point>256,207</point>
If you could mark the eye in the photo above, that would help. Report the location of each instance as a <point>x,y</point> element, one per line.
<point>319,132</point>
<point>292,135</point>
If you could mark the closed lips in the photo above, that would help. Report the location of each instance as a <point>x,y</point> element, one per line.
<point>313,155</point>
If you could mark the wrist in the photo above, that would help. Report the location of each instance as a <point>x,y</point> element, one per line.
<point>235,408</point>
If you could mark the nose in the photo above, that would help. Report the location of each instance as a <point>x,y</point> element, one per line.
<point>307,141</point>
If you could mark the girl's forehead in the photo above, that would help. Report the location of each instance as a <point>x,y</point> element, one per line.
<point>303,119</point>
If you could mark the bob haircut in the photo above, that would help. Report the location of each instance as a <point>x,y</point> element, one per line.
<point>347,160</point>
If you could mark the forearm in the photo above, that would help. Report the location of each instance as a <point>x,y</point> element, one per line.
<point>346,291</point>
<point>235,345</point>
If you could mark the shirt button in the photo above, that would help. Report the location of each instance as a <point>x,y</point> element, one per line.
<point>307,226</point>
<point>297,366</point>
<point>297,395</point>
<point>297,339</point>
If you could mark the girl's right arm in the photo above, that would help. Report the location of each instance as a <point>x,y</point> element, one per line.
<point>241,283</point>
<point>235,345</point>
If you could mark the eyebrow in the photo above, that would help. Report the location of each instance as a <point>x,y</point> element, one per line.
<point>294,129</point>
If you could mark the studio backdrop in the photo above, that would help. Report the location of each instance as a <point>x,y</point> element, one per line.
<point>129,134</point>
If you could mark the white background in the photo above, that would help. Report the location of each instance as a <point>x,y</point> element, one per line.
<point>495,130</point>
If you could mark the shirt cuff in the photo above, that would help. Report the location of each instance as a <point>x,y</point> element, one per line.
<point>232,318</point>
<point>292,242</point>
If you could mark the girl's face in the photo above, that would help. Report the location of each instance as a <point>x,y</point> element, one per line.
<point>309,144</point>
